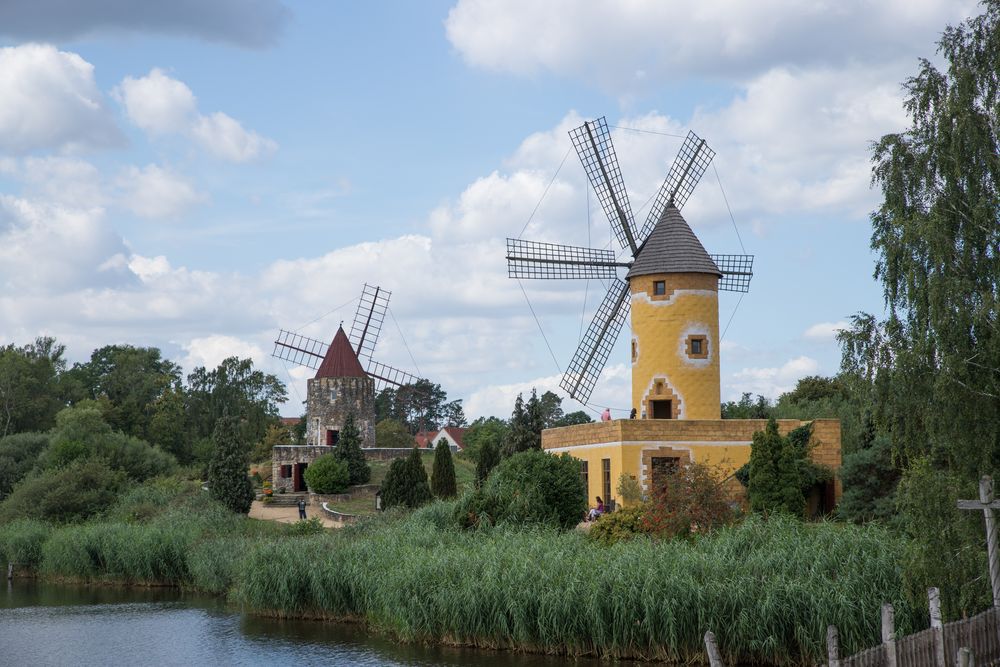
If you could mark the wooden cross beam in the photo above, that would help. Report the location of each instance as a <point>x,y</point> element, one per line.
<point>988,504</point>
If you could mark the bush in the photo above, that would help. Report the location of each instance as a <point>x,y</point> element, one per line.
<point>624,524</point>
<point>18,455</point>
<point>327,474</point>
<point>774,483</point>
<point>73,493</point>
<point>443,483</point>
<point>530,487</point>
<point>405,483</point>
<point>629,488</point>
<point>489,458</point>
<point>690,500</point>
<point>870,481</point>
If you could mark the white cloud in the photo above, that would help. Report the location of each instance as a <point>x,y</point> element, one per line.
<point>162,105</point>
<point>210,351</point>
<point>157,103</point>
<point>774,381</point>
<point>225,138</point>
<point>155,192</point>
<point>638,44</point>
<point>65,181</point>
<point>825,331</point>
<point>51,101</point>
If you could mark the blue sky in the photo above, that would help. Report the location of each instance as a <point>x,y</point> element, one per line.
<point>198,175</point>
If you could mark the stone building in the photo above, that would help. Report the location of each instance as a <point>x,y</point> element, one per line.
<point>340,388</point>
<point>673,286</point>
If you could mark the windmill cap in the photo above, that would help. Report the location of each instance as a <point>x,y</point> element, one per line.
<point>340,360</point>
<point>672,247</point>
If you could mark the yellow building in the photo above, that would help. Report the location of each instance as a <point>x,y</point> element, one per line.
<point>673,286</point>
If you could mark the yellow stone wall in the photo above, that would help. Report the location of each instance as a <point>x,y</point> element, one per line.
<point>662,327</point>
<point>723,444</point>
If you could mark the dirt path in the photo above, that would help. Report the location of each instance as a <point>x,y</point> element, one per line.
<point>288,514</point>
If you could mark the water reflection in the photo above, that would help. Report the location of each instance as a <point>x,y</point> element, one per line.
<point>43,624</point>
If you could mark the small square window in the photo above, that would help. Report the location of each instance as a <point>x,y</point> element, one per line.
<point>697,347</point>
<point>659,287</point>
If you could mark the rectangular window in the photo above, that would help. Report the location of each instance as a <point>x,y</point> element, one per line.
<point>286,471</point>
<point>663,466</point>
<point>332,437</point>
<point>659,287</point>
<point>585,475</point>
<point>661,409</point>
<point>606,479</point>
<point>696,346</point>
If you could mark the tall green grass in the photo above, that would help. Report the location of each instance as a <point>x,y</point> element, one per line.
<point>767,588</point>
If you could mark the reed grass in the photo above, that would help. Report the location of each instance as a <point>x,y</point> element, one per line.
<point>21,542</point>
<point>767,588</point>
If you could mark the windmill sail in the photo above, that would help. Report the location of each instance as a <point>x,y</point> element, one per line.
<point>383,374</point>
<point>737,270</point>
<point>593,144</point>
<point>368,320</point>
<point>592,354</point>
<point>299,349</point>
<point>534,259</point>
<point>690,164</point>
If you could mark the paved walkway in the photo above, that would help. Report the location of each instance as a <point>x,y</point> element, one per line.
<point>288,514</point>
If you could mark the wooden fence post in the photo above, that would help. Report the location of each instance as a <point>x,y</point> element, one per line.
<point>889,634</point>
<point>934,601</point>
<point>832,646</point>
<point>965,658</point>
<point>714,657</point>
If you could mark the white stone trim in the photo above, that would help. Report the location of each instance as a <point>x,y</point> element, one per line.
<point>659,303</point>
<point>651,444</point>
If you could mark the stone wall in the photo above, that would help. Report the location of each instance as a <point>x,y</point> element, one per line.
<point>330,400</point>
<point>291,455</point>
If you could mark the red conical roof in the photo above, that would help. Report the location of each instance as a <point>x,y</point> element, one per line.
<point>340,360</point>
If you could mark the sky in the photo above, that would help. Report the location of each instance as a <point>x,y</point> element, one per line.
<point>197,175</point>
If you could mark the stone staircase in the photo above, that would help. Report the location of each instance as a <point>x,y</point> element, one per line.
<point>288,499</point>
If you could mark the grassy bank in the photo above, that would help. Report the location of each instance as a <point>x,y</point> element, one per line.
<point>767,588</point>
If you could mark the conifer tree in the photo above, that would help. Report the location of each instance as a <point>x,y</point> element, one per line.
<point>227,470</point>
<point>775,483</point>
<point>443,483</point>
<point>406,482</point>
<point>526,423</point>
<point>489,457</point>
<point>349,451</point>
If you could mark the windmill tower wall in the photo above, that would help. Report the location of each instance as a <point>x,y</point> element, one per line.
<point>330,399</point>
<point>675,346</point>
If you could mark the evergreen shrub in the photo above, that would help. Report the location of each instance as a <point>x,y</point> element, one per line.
<point>228,481</point>
<point>443,483</point>
<point>327,474</point>
<point>349,451</point>
<point>405,483</point>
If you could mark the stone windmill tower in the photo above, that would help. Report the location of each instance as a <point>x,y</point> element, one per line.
<point>671,286</point>
<point>346,374</point>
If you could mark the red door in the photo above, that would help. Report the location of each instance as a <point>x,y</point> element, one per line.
<point>298,481</point>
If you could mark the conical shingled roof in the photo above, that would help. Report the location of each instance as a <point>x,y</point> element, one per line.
<point>340,360</point>
<point>672,248</point>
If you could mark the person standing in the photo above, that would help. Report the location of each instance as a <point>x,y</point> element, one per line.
<point>606,415</point>
<point>302,508</point>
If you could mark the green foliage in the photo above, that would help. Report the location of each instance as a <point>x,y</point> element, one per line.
<point>573,418</point>
<point>392,434</point>
<point>483,430</point>
<point>21,542</point>
<point>71,493</point>
<point>529,488</point>
<point>748,408</point>
<point>406,483</point>
<point>526,424</point>
<point>227,471</point>
<point>629,488</point>
<point>489,458</point>
<point>302,527</point>
<point>618,526</point>
<point>127,380</point>
<point>775,482</point>
<point>168,427</point>
<point>327,474</point>
<point>946,546</point>
<point>18,455</point>
<point>349,451</point>
<point>870,480</point>
<point>690,501</point>
<point>276,435</point>
<point>32,386</point>
<point>422,405</point>
<point>443,484</point>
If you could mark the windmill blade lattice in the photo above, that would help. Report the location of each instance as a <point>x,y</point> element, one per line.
<point>592,354</point>
<point>368,320</point>
<point>299,349</point>
<point>592,142</point>
<point>384,374</point>
<point>689,165</point>
<point>537,260</point>
<point>737,270</point>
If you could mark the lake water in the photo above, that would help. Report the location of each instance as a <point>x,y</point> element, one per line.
<point>46,624</point>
